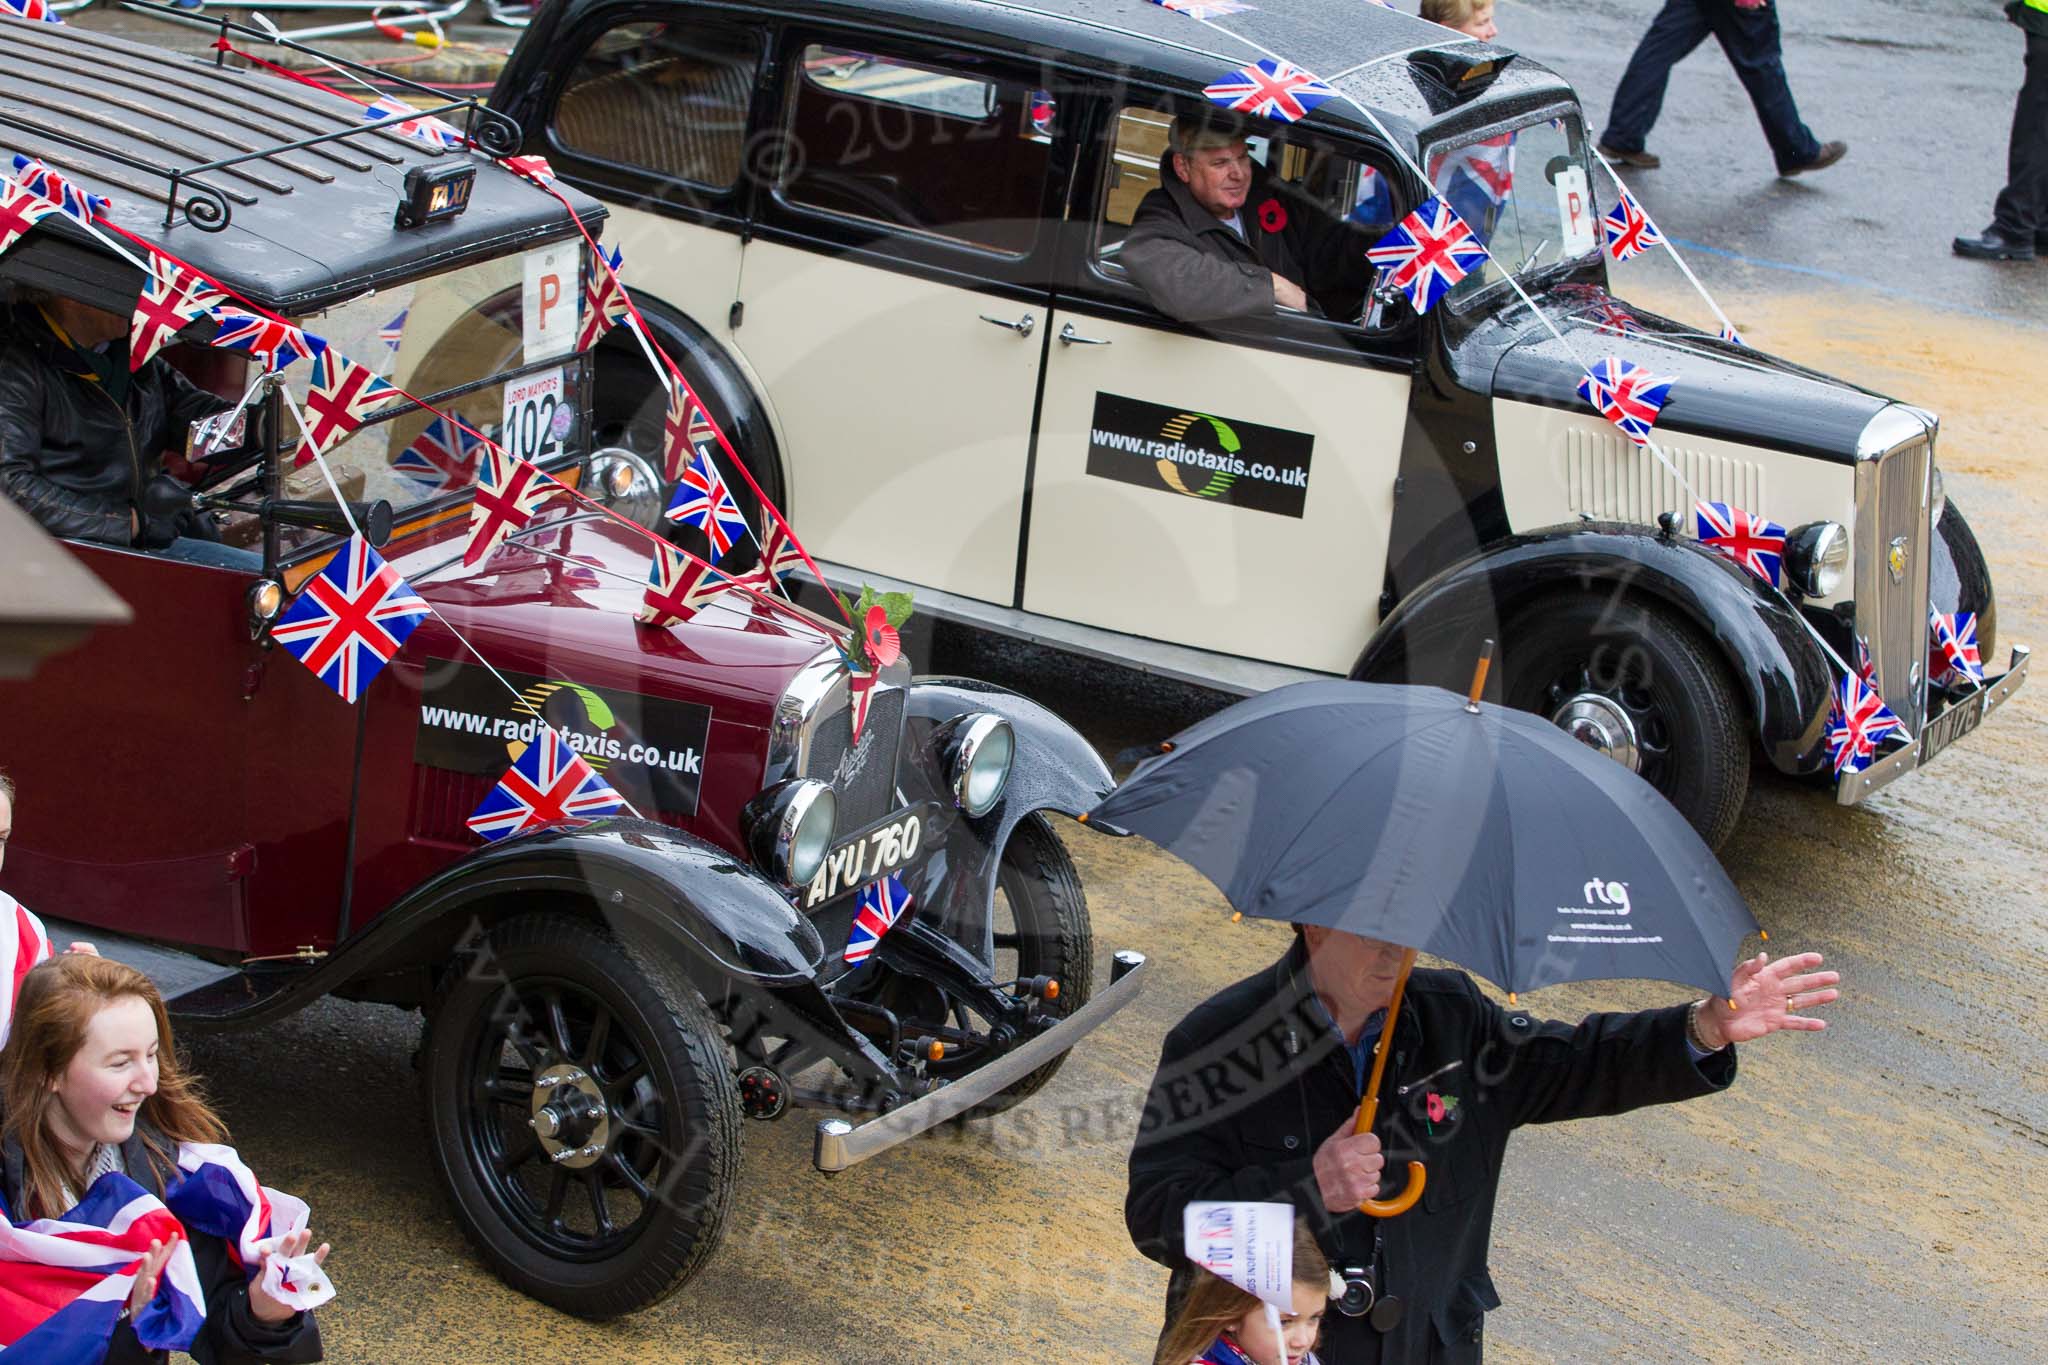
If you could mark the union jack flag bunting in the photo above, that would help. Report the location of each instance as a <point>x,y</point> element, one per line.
<point>1269,88</point>
<point>1858,721</point>
<point>534,168</point>
<point>882,903</point>
<point>1731,336</point>
<point>31,9</point>
<point>350,619</point>
<point>171,298</point>
<point>1953,656</point>
<point>1427,252</point>
<point>415,125</point>
<point>20,210</point>
<point>1756,543</point>
<point>779,558</point>
<point>279,344</point>
<point>509,491</point>
<point>1866,667</point>
<point>441,457</point>
<point>1204,9</point>
<point>679,427</point>
<point>393,332</point>
<point>678,586</point>
<point>1629,230</point>
<point>548,784</point>
<point>604,299</point>
<point>1626,395</point>
<point>1612,318</point>
<point>341,396</point>
<point>702,500</point>
<point>37,178</point>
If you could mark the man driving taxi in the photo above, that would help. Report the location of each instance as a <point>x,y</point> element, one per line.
<point>1220,238</point>
<point>82,438</point>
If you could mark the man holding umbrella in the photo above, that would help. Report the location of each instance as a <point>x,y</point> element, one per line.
<point>1324,804</point>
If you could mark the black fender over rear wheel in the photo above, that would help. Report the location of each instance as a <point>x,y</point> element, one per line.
<point>1608,669</point>
<point>583,1116</point>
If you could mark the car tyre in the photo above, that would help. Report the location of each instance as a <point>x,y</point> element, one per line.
<point>1692,731</point>
<point>554,996</point>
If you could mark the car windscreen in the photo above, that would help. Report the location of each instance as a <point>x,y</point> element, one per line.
<point>492,345</point>
<point>1526,193</point>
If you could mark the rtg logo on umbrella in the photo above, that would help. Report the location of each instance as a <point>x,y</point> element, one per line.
<point>1603,918</point>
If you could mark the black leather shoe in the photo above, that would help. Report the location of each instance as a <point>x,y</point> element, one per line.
<point>1829,154</point>
<point>1994,245</point>
<point>1642,161</point>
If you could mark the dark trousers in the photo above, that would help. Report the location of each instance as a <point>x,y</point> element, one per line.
<point>1749,37</point>
<point>2023,203</point>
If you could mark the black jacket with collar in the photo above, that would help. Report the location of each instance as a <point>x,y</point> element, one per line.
<point>1195,269</point>
<point>232,1335</point>
<point>1254,1079</point>
<point>72,456</point>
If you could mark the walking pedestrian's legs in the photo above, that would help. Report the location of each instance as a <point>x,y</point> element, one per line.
<point>1678,28</point>
<point>2023,203</point>
<point>1750,38</point>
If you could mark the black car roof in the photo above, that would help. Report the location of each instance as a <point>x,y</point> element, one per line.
<point>305,226</point>
<point>1366,51</point>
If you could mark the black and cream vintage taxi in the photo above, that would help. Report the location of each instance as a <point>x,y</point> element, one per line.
<point>886,238</point>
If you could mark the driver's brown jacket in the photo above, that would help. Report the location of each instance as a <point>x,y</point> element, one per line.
<point>71,455</point>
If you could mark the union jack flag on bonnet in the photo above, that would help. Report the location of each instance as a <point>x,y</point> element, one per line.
<point>1427,252</point>
<point>1629,230</point>
<point>882,903</point>
<point>702,500</point>
<point>780,557</point>
<point>1270,88</point>
<point>509,491</point>
<point>1953,656</point>
<point>1858,721</point>
<point>350,619</point>
<point>278,343</point>
<point>1626,395</point>
<point>1731,336</point>
<point>1756,543</point>
<point>678,586</point>
<point>548,784</point>
<point>37,178</point>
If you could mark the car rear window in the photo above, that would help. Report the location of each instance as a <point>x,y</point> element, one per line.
<point>954,153</point>
<point>663,98</point>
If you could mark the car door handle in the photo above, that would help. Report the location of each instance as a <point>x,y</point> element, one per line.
<point>1022,326</point>
<point>1070,337</point>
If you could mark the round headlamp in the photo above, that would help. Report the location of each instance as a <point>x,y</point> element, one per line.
<point>789,829</point>
<point>978,752</point>
<point>626,482</point>
<point>1816,558</point>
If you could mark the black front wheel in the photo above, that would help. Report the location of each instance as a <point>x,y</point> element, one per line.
<point>1632,680</point>
<point>583,1115</point>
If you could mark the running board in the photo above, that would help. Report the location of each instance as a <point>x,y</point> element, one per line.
<point>175,973</point>
<point>840,1144</point>
<point>1221,672</point>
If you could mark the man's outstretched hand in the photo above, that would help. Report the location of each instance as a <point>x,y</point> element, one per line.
<point>1768,996</point>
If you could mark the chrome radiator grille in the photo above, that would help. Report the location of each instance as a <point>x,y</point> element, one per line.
<point>812,737</point>
<point>1892,551</point>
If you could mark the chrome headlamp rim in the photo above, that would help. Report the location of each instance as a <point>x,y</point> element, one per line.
<point>1817,558</point>
<point>973,741</point>
<point>640,498</point>
<point>789,829</point>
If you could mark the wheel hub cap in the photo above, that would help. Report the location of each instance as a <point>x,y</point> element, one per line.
<point>1600,723</point>
<point>570,1116</point>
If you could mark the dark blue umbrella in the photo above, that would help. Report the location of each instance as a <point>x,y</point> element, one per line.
<point>1484,836</point>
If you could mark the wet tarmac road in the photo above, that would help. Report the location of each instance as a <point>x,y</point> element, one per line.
<point>1880,1190</point>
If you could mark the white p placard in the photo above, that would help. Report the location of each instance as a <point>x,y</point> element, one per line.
<point>533,404</point>
<point>1250,1245</point>
<point>548,302</point>
<point>1575,212</point>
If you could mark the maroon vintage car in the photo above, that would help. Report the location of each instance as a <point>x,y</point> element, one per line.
<point>604,1002</point>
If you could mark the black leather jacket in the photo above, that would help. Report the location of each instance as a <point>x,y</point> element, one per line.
<point>70,455</point>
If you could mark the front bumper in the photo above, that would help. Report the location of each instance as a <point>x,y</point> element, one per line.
<point>1959,718</point>
<point>840,1144</point>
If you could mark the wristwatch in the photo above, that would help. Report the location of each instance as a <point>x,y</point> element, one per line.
<point>1692,1030</point>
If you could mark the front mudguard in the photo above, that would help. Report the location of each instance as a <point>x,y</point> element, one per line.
<point>1434,634</point>
<point>1958,579</point>
<point>1054,769</point>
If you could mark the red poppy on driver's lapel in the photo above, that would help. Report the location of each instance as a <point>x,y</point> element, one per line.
<point>1273,216</point>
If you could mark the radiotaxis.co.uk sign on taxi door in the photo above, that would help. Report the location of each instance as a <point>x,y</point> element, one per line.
<point>1199,455</point>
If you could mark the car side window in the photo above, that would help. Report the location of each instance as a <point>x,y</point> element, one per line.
<point>953,153</point>
<point>669,99</point>
<point>1354,191</point>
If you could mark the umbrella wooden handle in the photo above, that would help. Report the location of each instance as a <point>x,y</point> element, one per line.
<point>1418,1176</point>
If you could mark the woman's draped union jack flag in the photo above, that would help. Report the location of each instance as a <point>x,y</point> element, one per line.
<point>1427,252</point>
<point>1756,543</point>
<point>1629,230</point>
<point>172,297</point>
<point>1953,656</point>
<point>350,619</point>
<point>509,491</point>
<point>882,903</point>
<point>1270,88</point>
<point>702,500</point>
<point>678,587</point>
<point>1858,721</point>
<point>1627,395</point>
<point>548,784</point>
